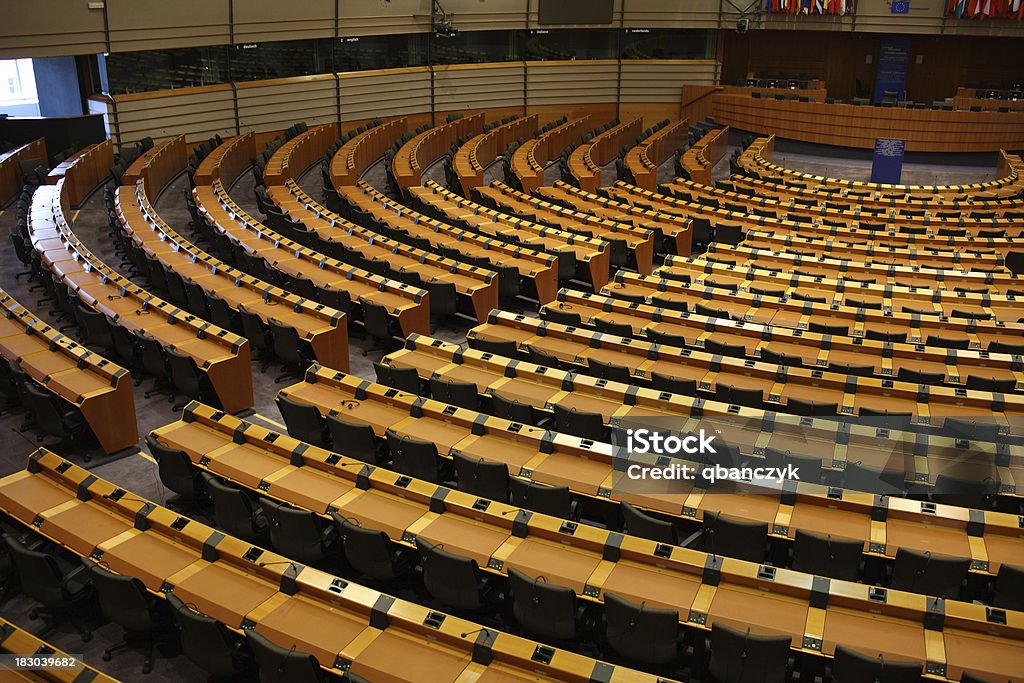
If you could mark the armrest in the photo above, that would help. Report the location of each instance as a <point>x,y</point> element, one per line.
<point>685,543</point>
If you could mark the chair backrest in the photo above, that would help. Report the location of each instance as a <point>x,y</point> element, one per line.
<point>287,345</point>
<point>675,385</point>
<point>233,508</point>
<point>302,420</point>
<point>369,551</point>
<point>640,633</point>
<point>823,555</point>
<point>547,612</point>
<point>452,579</point>
<point>549,500</point>
<point>610,371</point>
<point>752,398</point>
<point>860,477</point>
<point>741,657</point>
<point>184,373</point>
<point>556,315</point>
<point>452,392</point>
<point>1009,588</point>
<point>483,478</point>
<point>538,357</point>
<point>39,574</point>
<point>736,538</point>
<point>511,409</point>
<point>354,439</point>
<point>583,424</point>
<point>403,379</point>
<point>175,468</point>
<point>277,664</point>
<point>44,408</point>
<point>617,329</point>
<point>418,459</point>
<point>376,320</point>
<point>204,640</point>
<point>933,575</point>
<point>253,328</point>
<point>850,666</point>
<point>294,533</point>
<point>638,523</point>
<point>505,349</point>
<point>808,467</point>
<point>123,599</point>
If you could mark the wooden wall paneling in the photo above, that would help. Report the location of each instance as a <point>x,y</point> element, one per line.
<point>366,95</point>
<point>383,18</point>
<point>272,20</point>
<point>671,14</point>
<point>56,27</point>
<point>571,82</point>
<point>465,87</point>
<point>487,15</point>
<point>152,24</point>
<point>276,104</point>
<point>197,113</point>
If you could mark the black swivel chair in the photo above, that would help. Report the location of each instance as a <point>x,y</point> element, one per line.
<point>860,477</point>
<point>186,378</point>
<point>638,523</point>
<point>235,510</point>
<point>511,409</point>
<point>850,666</point>
<point>822,555</point>
<point>125,601</point>
<point>354,439</point>
<point>556,501</point>
<point>741,657</point>
<point>452,392</point>
<point>538,357</point>
<point>453,580</point>
<point>549,613</point>
<point>403,379</point>
<point>1009,588</point>
<point>303,421</point>
<point>736,538</point>
<point>377,323</point>
<point>504,349</point>
<point>583,424</point>
<point>808,468</point>
<point>371,552</point>
<point>417,459</point>
<point>675,385</point>
<point>208,643</point>
<point>609,371</point>
<point>482,478</point>
<point>256,332</point>
<point>641,634</point>
<point>937,576</point>
<point>751,398</point>
<point>297,534</point>
<point>278,665</point>
<point>175,469</point>
<point>555,315</point>
<point>57,586</point>
<point>289,349</point>
<point>613,328</point>
<point>53,416</point>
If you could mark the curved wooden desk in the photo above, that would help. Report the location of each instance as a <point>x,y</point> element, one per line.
<point>429,146</point>
<point>11,176</point>
<point>644,159</point>
<point>481,150</point>
<point>532,157</point>
<point>358,153</point>
<point>924,130</point>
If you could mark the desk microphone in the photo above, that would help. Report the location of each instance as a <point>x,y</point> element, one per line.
<point>271,564</point>
<point>110,497</point>
<point>479,630</point>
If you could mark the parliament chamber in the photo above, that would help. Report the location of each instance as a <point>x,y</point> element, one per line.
<point>512,340</point>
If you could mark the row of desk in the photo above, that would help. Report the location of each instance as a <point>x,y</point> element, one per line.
<point>357,154</point>
<point>860,244</point>
<point>594,561</point>
<point>218,353</point>
<point>347,627</point>
<point>532,157</point>
<point>537,272</point>
<point>644,159</point>
<point>157,166</point>
<point>99,388</point>
<point>20,643</point>
<point>588,257</point>
<point>672,237</point>
<point>720,376</point>
<point>476,288</point>
<point>704,155</point>
<point>11,176</point>
<point>429,146</point>
<point>1008,182</point>
<point>807,504</point>
<point>480,151</point>
<point>821,350</point>
<point>84,172</point>
<point>585,162</point>
<point>323,328</point>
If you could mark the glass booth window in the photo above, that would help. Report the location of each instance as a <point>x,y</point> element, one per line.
<point>363,53</point>
<point>668,44</point>
<point>570,44</point>
<point>469,47</point>
<point>129,72</point>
